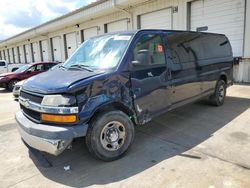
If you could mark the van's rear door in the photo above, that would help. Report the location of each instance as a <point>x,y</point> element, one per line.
<point>150,81</point>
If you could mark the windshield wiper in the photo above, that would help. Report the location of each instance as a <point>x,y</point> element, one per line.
<point>79,66</point>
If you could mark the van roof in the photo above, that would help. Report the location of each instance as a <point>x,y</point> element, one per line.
<point>163,30</point>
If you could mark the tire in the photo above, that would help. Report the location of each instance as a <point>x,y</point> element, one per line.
<point>110,135</point>
<point>218,98</point>
<point>11,84</point>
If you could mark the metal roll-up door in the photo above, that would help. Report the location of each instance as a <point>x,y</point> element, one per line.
<point>121,25</point>
<point>57,53</point>
<point>12,59</point>
<point>35,51</point>
<point>90,32</point>
<point>8,55</point>
<point>161,19</point>
<point>45,50</point>
<point>5,55</point>
<point>21,53</point>
<point>16,55</point>
<point>226,17</point>
<point>28,53</point>
<point>71,43</point>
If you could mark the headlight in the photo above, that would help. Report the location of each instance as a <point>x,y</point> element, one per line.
<point>58,100</point>
<point>1,78</point>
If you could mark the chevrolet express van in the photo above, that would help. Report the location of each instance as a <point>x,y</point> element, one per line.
<point>118,80</point>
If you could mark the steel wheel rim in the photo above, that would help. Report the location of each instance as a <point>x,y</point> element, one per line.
<point>221,93</point>
<point>113,136</point>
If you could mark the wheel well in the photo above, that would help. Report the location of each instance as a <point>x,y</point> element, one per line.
<point>224,78</point>
<point>115,106</point>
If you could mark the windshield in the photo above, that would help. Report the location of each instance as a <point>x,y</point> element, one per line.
<point>22,68</point>
<point>103,52</point>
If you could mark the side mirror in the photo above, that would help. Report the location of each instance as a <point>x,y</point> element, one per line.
<point>142,58</point>
<point>28,71</point>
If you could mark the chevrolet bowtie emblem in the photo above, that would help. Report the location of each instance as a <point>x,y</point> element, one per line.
<point>26,103</point>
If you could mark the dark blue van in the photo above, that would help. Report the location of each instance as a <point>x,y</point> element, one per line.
<point>116,81</point>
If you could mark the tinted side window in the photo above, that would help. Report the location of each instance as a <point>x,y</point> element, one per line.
<point>39,67</point>
<point>47,66</point>
<point>179,48</point>
<point>153,43</point>
<point>2,63</point>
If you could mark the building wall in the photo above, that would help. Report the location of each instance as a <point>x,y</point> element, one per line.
<point>180,21</point>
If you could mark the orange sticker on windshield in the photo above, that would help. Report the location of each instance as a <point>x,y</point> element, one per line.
<point>159,48</point>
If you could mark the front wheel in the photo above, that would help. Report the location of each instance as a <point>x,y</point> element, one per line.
<point>110,135</point>
<point>11,84</point>
<point>219,95</point>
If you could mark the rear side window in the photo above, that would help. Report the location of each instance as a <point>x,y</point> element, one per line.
<point>179,48</point>
<point>48,66</point>
<point>2,63</point>
<point>196,47</point>
<point>39,67</point>
<point>153,43</point>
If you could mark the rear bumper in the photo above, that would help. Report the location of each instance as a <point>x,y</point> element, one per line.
<point>47,138</point>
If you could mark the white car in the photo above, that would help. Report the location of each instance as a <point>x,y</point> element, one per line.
<point>17,88</point>
<point>8,67</point>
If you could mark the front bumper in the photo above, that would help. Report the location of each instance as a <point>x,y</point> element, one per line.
<point>16,92</point>
<point>48,138</point>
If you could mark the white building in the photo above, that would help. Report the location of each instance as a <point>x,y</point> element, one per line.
<point>57,39</point>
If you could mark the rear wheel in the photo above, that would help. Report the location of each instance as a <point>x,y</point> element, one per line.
<point>12,84</point>
<point>219,95</point>
<point>110,135</point>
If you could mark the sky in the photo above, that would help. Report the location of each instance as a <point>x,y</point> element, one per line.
<point>17,16</point>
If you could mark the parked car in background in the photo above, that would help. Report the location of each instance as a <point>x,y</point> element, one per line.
<point>8,80</point>
<point>8,67</point>
<point>118,80</point>
<point>17,88</point>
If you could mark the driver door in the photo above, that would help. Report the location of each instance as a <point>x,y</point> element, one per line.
<point>150,81</point>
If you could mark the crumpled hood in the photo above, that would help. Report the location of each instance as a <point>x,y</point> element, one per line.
<point>56,81</point>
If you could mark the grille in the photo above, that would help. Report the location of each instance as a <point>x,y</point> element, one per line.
<point>31,97</point>
<point>31,113</point>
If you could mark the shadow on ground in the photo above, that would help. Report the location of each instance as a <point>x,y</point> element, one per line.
<point>3,90</point>
<point>167,136</point>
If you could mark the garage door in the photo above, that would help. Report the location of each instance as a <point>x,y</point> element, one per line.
<point>11,55</point>
<point>71,43</point>
<point>45,50</point>
<point>88,33</point>
<point>6,55</point>
<point>57,53</point>
<point>28,53</point>
<point>35,51</point>
<point>16,55</point>
<point>222,16</point>
<point>21,53</point>
<point>121,25</point>
<point>157,20</point>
